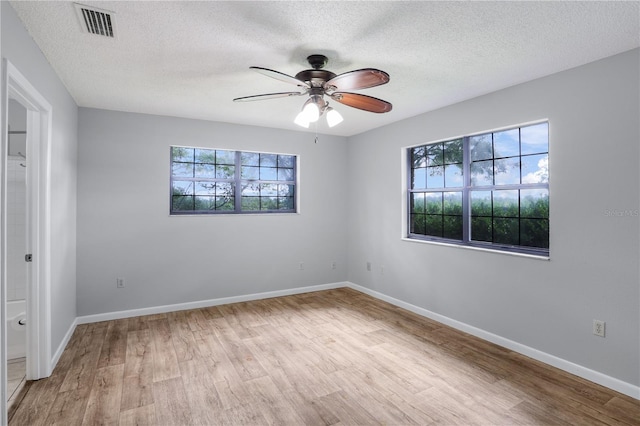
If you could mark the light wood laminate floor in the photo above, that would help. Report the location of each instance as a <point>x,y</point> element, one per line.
<point>323,358</point>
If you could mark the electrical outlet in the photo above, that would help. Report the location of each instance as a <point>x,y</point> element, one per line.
<point>369,266</point>
<point>382,270</point>
<point>120,282</point>
<point>333,265</point>
<point>598,327</point>
<point>301,266</point>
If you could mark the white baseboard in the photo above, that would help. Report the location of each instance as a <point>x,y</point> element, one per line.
<point>204,303</point>
<point>63,345</point>
<point>568,366</point>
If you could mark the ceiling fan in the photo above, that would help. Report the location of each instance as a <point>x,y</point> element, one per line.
<point>317,83</point>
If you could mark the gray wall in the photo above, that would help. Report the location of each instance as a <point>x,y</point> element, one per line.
<point>593,272</point>
<point>124,227</point>
<point>19,48</point>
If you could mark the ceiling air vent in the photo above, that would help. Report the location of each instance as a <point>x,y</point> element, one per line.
<point>96,21</point>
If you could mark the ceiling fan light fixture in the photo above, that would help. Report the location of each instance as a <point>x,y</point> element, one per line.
<point>301,120</point>
<point>333,117</point>
<point>311,112</point>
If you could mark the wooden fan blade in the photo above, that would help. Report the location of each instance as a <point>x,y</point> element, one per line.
<point>280,76</point>
<point>268,96</point>
<point>364,102</point>
<point>358,79</point>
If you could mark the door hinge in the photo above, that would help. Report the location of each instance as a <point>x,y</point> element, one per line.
<point>28,257</point>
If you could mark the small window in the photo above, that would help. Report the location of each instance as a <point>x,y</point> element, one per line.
<point>488,190</point>
<point>209,181</point>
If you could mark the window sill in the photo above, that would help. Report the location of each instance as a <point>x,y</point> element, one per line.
<point>488,250</point>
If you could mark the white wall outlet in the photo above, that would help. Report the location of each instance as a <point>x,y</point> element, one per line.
<point>598,327</point>
<point>301,266</point>
<point>368,266</point>
<point>382,270</point>
<point>333,265</point>
<point>120,282</point>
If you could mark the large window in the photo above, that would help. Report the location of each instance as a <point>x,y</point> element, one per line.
<point>209,181</point>
<point>488,190</point>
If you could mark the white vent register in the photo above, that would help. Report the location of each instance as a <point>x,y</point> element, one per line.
<point>96,21</point>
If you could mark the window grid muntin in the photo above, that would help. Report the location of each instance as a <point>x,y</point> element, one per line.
<point>467,188</point>
<point>283,204</point>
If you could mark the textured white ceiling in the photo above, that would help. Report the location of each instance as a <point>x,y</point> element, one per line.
<point>190,59</point>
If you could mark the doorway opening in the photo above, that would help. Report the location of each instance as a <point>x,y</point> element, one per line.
<point>17,92</point>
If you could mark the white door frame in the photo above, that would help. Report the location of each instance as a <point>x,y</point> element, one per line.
<point>39,125</point>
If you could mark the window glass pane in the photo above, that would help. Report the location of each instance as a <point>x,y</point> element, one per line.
<point>506,231</point>
<point>482,173</point>
<point>268,160</point>
<point>417,202</point>
<point>251,189</point>
<point>268,173</point>
<point>269,190</point>
<point>182,203</point>
<point>181,154</point>
<point>205,156</point>
<point>534,233</point>
<point>453,176</point>
<point>205,188</point>
<point>481,204</point>
<point>224,189</point>
<point>225,157</point>
<point>250,159</point>
<point>535,139</point>
<point>418,224</point>
<point>285,203</point>
<point>452,227</point>
<point>506,144</point>
<point>286,161</point>
<point>507,171</point>
<point>535,169</point>
<point>534,203</point>
<point>286,190</point>
<point>480,147</point>
<point>433,202</point>
<point>268,203</point>
<point>453,152</point>
<point>433,225</point>
<point>250,203</point>
<point>205,170</point>
<point>481,229</point>
<point>225,203</point>
<point>180,187</point>
<point>250,172</point>
<point>453,203</point>
<point>205,203</point>
<point>419,157</point>
<point>419,179</point>
<point>435,155</point>
<point>225,172</point>
<point>182,169</point>
<point>505,203</point>
<point>285,174</point>
<point>435,177</point>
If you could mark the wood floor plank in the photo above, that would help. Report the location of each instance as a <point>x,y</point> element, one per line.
<point>184,343</point>
<point>201,392</point>
<point>324,358</point>
<point>114,346</point>
<point>240,356</point>
<point>141,416</point>
<point>171,404</point>
<point>165,360</point>
<point>103,406</point>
